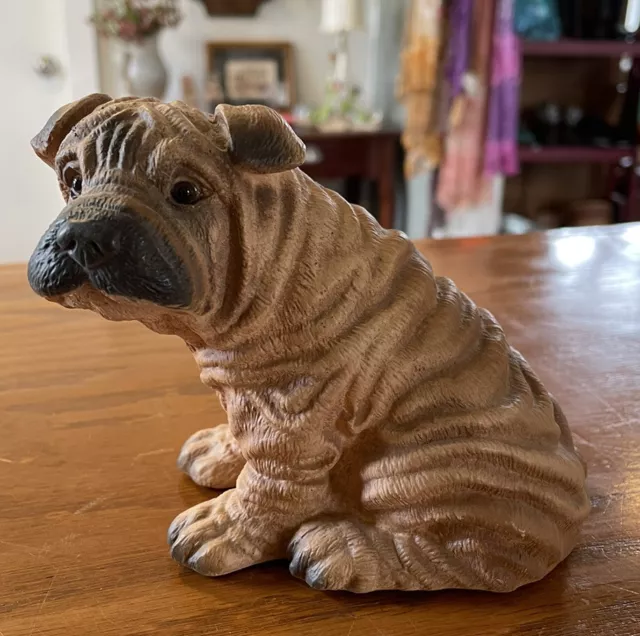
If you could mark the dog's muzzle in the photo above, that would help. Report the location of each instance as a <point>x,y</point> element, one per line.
<point>90,244</point>
<point>119,255</point>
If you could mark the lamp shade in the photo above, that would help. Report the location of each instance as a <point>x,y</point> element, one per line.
<point>341,15</point>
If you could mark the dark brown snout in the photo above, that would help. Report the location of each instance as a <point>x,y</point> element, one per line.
<point>118,253</point>
<point>91,244</point>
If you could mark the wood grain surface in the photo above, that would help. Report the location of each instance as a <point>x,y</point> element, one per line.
<point>93,414</point>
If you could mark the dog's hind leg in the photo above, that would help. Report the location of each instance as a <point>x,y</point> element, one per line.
<point>212,458</point>
<point>345,554</point>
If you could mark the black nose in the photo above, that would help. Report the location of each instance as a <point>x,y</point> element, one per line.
<point>89,243</point>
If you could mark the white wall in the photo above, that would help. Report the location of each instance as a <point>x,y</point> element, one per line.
<point>295,21</point>
<point>29,29</point>
<point>81,47</point>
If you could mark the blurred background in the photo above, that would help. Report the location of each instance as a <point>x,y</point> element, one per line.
<point>444,118</point>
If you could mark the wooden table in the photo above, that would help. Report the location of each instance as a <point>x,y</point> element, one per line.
<point>357,156</point>
<point>92,415</point>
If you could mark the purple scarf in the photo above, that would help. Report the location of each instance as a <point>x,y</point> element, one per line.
<point>501,147</point>
<point>461,12</point>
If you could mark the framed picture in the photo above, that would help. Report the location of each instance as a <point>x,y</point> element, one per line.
<point>250,73</point>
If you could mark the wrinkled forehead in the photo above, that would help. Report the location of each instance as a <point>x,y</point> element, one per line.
<point>128,130</point>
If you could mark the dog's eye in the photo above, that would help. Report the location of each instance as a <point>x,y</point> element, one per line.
<point>186,193</point>
<point>74,183</point>
<point>76,186</point>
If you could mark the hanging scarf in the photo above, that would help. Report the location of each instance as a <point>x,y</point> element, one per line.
<point>420,85</point>
<point>462,181</point>
<point>501,151</point>
<point>458,49</point>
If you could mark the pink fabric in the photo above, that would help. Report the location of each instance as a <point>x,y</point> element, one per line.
<point>501,149</point>
<point>462,181</point>
<point>507,65</point>
<point>500,158</point>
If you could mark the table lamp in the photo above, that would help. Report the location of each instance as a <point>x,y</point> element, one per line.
<point>339,18</point>
<point>341,109</point>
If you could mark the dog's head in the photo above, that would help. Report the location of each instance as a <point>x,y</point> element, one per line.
<point>156,202</point>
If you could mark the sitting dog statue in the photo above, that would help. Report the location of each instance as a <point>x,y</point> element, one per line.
<point>381,432</point>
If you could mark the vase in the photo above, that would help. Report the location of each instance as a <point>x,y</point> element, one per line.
<point>144,72</point>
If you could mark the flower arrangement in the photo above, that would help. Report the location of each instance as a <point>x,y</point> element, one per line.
<point>343,110</point>
<point>135,20</point>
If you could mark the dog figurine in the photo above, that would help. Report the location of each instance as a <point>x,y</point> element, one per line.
<point>381,432</point>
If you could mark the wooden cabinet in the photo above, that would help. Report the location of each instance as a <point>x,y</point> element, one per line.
<point>356,156</point>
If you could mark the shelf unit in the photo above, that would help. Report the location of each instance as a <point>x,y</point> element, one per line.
<point>567,47</point>
<point>626,157</point>
<point>575,154</point>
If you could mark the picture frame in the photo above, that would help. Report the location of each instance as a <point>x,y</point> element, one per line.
<point>250,73</point>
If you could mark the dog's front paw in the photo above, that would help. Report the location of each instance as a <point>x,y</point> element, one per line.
<point>212,458</point>
<point>208,540</point>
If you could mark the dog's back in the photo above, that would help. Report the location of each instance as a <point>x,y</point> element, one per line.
<point>473,466</point>
<point>460,456</point>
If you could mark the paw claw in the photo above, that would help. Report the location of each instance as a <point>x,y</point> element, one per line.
<point>176,528</point>
<point>173,532</point>
<point>298,565</point>
<point>197,561</point>
<point>178,551</point>
<point>316,579</point>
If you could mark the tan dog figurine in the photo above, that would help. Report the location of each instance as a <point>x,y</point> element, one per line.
<point>382,434</point>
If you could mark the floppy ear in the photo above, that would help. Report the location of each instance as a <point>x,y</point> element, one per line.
<point>47,142</point>
<point>260,139</point>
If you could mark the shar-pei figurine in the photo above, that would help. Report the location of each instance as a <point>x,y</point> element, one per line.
<point>382,433</point>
